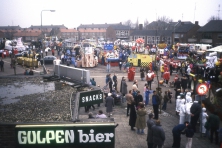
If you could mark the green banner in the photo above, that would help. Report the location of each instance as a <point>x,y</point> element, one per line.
<point>90,98</point>
<point>66,135</point>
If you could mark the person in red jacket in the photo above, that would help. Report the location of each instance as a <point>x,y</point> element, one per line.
<point>166,76</point>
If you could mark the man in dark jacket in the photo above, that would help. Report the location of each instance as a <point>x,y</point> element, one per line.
<point>158,135</point>
<point>150,123</point>
<point>138,98</point>
<point>195,111</point>
<point>214,122</point>
<point>156,103</point>
<point>177,133</point>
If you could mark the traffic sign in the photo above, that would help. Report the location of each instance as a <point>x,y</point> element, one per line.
<point>202,89</point>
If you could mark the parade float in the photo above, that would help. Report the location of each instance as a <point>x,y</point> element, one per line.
<point>139,56</point>
<point>163,50</point>
<point>208,73</point>
<point>88,57</point>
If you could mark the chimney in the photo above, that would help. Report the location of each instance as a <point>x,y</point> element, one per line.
<point>196,22</point>
<point>140,26</point>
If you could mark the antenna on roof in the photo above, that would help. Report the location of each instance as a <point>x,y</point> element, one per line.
<point>182,16</point>
<point>218,12</point>
<point>194,13</point>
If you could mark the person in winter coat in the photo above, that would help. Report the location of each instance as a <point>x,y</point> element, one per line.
<point>142,73</point>
<point>178,100</point>
<point>184,83</point>
<point>129,99</point>
<point>165,100</point>
<point>101,114</point>
<point>141,119</point>
<point>138,98</point>
<point>177,130</point>
<point>214,122</point>
<point>156,103</point>
<point>187,107</point>
<point>170,94</point>
<point>109,104</point>
<point>150,123</point>
<point>158,135</point>
<point>182,111</point>
<point>195,111</point>
<point>204,120</point>
<point>132,116</point>
<point>110,81</point>
<point>189,134</point>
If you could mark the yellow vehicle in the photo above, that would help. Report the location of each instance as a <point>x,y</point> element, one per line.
<point>141,59</point>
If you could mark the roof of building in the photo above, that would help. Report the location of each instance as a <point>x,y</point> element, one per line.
<point>212,26</point>
<point>27,33</point>
<point>10,27</point>
<point>95,25</point>
<point>120,27</point>
<point>48,26</point>
<point>151,32</point>
<point>91,30</point>
<point>183,28</point>
<point>68,30</point>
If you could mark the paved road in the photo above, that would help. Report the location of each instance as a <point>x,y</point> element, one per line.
<point>126,138</point>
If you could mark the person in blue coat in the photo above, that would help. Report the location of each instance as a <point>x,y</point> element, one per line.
<point>177,131</point>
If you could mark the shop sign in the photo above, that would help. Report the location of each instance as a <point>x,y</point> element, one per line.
<point>90,98</point>
<point>63,135</point>
<point>109,46</point>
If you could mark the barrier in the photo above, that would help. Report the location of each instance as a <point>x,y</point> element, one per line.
<point>75,74</point>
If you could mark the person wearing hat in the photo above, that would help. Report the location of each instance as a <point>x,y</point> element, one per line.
<point>109,104</point>
<point>150,123</point>
<point>204,120</point>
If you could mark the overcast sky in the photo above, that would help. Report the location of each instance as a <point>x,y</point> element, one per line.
<point>72,13</point>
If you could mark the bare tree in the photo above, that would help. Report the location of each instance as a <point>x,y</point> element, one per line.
<point>213,18</point>
<point>146,23</point>
<point>128,23</point>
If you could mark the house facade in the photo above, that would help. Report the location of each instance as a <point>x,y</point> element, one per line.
<point>211,33</point>
<point>118,31</point>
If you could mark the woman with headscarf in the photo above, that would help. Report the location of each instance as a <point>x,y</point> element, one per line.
<point>109,104</point>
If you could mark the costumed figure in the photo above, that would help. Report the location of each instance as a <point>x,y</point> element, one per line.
<point>166,77</point>
<point>178,104</point>
<point>182,111</point>
<point>204,120</point>
<point>188,106</point>
<point>188,97</point>
<point>149,78</point>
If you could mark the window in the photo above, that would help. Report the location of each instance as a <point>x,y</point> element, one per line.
<point>219,36</point>
<point>206,36</point>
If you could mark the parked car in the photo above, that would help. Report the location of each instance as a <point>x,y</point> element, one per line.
<point>21,54</point>
<point>48,60</point>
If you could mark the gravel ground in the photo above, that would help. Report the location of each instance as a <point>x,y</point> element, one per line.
<point>54,106</point>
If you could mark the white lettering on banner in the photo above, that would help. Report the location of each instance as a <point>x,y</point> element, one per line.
<point>31,137</point>
<point>50,136</point>
<point>22,140</point>
<point>84,138</point>
<point>91,98</point>
<point>58,136</point>
<point>69,136</point>
<point>38,138</point>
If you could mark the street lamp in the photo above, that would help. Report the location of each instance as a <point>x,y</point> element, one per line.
<point>41,37</point>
